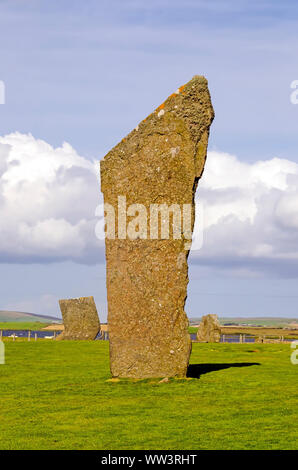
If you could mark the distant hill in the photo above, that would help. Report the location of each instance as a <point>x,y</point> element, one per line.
<point>277,322</point>
<point>8,316</point>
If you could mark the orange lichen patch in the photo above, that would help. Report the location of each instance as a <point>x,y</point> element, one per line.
<point>160,107</point>
<point>173,95</point>
<point>181,88</point>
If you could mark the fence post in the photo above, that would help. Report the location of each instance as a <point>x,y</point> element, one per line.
<point>223,338</point>
<point>244,338</point>
<point>14,337</point>
<point>35,336</point>
<point>29,335</point>
<point>240,339</point>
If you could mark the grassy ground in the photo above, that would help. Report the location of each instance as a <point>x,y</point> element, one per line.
<point>56,395</point>
<point>192,329</point>
<point>19,325</point>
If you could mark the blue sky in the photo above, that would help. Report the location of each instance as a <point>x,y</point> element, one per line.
<point>87,72</point>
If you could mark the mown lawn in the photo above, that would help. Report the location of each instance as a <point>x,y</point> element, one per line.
<point>55,395</point>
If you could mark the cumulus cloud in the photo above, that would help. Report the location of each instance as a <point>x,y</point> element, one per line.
<point>47,202</point>
<point>250,214</point>
<point>48,198</point>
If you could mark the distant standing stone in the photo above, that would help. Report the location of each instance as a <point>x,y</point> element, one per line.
<point>209,330</point>
<point>80,319</point>
<point>158,163</point>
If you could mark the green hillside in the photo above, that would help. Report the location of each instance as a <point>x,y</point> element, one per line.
<point>9,316</point>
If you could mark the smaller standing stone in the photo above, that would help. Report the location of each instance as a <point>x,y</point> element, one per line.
<point>80,319</point>
<point>209,330</point>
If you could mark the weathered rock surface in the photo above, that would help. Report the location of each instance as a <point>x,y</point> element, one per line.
<point>209,330</point>
<point>80,319</point>
<point>160,162</point>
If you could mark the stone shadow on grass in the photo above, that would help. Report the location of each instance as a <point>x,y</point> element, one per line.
<point>196,370</point>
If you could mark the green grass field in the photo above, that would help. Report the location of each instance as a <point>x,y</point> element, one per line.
<point>56,395</point>
<point>22,325</point>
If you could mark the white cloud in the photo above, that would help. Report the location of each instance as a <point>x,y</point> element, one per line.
<point>47,202</point>
<point>48,198</point>
<point>250,212</point>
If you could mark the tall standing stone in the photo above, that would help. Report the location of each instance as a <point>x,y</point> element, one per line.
<point>159,162</point>
<point>80,319</point>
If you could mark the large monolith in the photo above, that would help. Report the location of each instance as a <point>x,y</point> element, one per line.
<point>80,319</point>
<point>153,174</point>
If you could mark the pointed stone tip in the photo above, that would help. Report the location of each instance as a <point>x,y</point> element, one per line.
<point>198,80</point>
<point>184,103</point>
<point>197,84</point>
